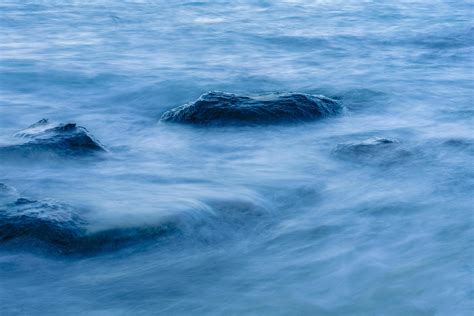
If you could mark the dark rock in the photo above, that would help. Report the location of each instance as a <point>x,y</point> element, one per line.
<point>66,137</point>
<point>44,137</point>
<point>220,108</point>
<point>46,222</point>
<point>59,228</point>
<point>56,228</point>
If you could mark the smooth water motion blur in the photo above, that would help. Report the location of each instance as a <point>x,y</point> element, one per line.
<point>333,173</point>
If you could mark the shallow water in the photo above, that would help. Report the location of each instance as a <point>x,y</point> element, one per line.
<point>297,219</point>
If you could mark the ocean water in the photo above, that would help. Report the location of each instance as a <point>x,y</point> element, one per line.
<point>366,213</point>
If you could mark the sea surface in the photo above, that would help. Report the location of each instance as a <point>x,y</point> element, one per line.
<point>366,213</point>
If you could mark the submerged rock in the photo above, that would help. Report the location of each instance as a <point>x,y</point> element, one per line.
<point>38,222</point>
<point>63,139</point>
<point>49,226</point>
<point>464,144</point>
<point>60,228</point>
<point>373,150</point>
<point>367,146</point>
<point>43,221</point>
<point>220,108</point>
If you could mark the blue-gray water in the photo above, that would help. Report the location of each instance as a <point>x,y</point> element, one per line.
<point>259,220</point>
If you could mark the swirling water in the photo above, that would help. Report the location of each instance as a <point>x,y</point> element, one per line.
<point>367,213</point>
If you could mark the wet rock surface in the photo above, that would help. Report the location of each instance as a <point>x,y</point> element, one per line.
<point>221,108</point>
<point>44,222</point>
<point>44,137</point>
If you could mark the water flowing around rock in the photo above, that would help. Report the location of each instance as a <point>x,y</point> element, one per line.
<point>333,176</point>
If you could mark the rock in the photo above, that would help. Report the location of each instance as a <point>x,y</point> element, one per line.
<point>62,229</point>
<point>63,139</point>
<point>67,137</point>
<point>367,146</point>
<point>56,228</point>
<point>373,150</point>
<point>41,222</point>
<point>220,108</point>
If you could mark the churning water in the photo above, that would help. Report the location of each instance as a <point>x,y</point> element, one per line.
<point>367,212</point>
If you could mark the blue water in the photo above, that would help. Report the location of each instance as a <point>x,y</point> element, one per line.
<point>282,219</point>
